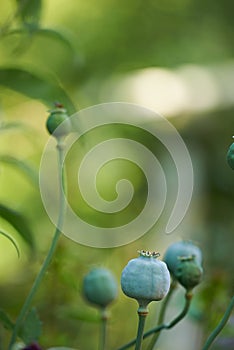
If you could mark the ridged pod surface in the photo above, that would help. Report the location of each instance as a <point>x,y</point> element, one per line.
<point>145,278</point>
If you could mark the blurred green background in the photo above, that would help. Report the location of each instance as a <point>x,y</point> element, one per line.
<point>175,57</point>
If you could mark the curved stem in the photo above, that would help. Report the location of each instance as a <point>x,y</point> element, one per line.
<point>141,325</point>
<point>220,326</point>
<point>162,313</point>
<point>34,288</point>
<point>104,318</point>
<point>188,297</point>
<point>166,301</point>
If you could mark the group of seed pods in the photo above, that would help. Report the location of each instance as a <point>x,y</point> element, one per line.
<point>146,278</point>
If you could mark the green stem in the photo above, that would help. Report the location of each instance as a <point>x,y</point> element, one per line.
<point>166,301</point>
<point>220,326</point>
<point>188,297</point>
<point>44,267</point>
<point>104,318</point>
<point>162,313</point>
<point>142,313</point>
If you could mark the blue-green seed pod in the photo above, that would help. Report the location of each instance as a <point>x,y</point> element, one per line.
<point>100,287</point>
<point>58,123</point>
<point>181,249</point>
<point>145,278</point>
<point>230,156</point>
<point>188,273</point>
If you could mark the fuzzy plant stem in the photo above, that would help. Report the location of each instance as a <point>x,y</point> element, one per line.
<point>162,313</point>
<point>103,328</point>
<point>44,267</point>
<point>159,328</point>
<point>142,313</point>
<point>220,326</point>
<point>166,301</point>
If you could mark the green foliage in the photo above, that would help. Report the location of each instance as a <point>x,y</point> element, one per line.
<point>5,320</point>
<point>29,11</point>
<point>12,125</point>
<point>31,327</point>
<point>32,32</point>
<point>19,222</point>
<point>57,35</point>
<point>12,241</point>
<point>27,169</point>
<point>105,38</point>
<point>34,86</point>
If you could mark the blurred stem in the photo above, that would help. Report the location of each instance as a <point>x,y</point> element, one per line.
<point>220,326</point>
<point>44,267</point>
<point>162,313</point>
<point>188,298</point>
<point>142,313</point>
<point>104,318</point>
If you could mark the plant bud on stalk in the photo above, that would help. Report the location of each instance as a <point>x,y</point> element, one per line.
<point>100,287</point>
<point>188,272</point>
<point>58,123</point>
<point>179,249</point>
<point>145,278</point>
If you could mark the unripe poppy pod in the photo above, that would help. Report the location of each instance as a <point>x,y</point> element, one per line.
<point>100,287</point>
<point>145,278</point>
<point>180,249</point>
<point>188,272</point>
<point>58,123</point>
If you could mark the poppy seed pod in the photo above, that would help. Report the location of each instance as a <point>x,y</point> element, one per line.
<point>180,249</point>
<point>100,287</point>
<point>230,156</point>
<point>145,278</point>
<point>58,123</point>
<point>188,272</point>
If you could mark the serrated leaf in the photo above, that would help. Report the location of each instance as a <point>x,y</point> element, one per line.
<point>35,87</point>
<point>23,166</point>
<point>31,327</point>
<point>19,222</point>
<point>12,241</point>
<point>5,320</point>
